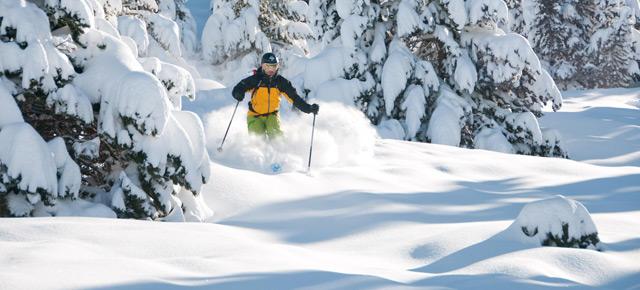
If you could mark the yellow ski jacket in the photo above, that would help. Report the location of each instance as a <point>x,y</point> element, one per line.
<point>266,93</point>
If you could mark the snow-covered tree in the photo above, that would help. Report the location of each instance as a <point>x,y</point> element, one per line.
<point>610,59</point>
<point>243,30</point>
<point>81,118</point>
<point>177,11</point>
<point>167,25</point>
<point>324,20</point>
<point>556,39</point>
<point>590,43</point>
<point>349,29</point>
<point>517,13</point>
<point>556,222</point>
<point>34,86</point>
<point>442,71</point>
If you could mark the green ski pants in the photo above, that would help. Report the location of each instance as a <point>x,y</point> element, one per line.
<point>268,125</point>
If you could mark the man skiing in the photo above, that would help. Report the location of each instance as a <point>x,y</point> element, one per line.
<point>266,87</point>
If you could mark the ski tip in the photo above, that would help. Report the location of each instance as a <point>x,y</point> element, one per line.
<point>276,168</point>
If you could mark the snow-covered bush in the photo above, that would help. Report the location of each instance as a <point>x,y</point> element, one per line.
<point>245,29</point>
<point>80,117</point>
<point>557,222</point>
<point>589,43</point>
<point>446,70</point>
<point>166,27</point>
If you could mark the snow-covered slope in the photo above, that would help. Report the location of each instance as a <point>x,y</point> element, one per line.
<point>600,126</point>
<point>409,216</point>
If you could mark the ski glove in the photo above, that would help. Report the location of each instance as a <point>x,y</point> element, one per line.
<point>239,97</point>
<point>314,109</point>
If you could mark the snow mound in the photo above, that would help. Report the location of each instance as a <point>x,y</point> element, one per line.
<point>27,160</point>
<point>342,136</point>
<point>557,222</point>
<point>141,98</point>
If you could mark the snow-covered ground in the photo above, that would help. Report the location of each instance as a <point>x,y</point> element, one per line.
<point>600,126</point>
<point>400,215</point>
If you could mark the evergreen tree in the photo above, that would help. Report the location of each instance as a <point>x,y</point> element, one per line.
<point>351,26</point>
<point>159,23</point>
<point>115,134</point>
<point>556,40</point>
<point>35,86</point>
<point>590,43</point>
<point>448,73</point>
<point>177,11</point>
<point>242,30</point>
<point>609,60</point>
<point>517,21</point>
<point>324,19</point>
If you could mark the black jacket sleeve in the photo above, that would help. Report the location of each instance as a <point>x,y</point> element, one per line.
<point>244,85</point>
<point>286,87</point>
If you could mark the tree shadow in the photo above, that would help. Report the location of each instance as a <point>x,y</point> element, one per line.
<point>604,133</point>
<point>322,218</point>
<point>499,281</point>
<point>624,246</point>
<point>503,281</point>
<point>502,244</point>
<point>495,246</point>
<point>603,195</point>
<point>317,280</point>
<point>267,281</point>
<point>332,216</point>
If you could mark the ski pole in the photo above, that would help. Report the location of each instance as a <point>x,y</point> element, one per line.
<point>313,127</point>
<point>225,133</point>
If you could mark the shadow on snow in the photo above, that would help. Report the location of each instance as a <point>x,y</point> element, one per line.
<point>333,216</point>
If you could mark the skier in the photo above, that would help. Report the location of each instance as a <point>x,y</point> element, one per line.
<point>266,87</point>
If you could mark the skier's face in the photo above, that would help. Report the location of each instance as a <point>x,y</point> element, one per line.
<point>270,68</point>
